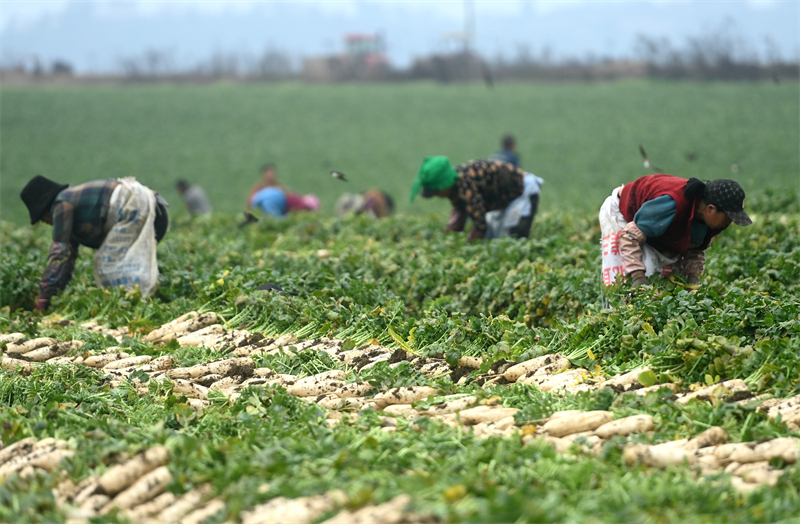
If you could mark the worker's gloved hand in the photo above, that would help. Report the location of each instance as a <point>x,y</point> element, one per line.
<point>638,279</point>
<point>474,235</point>
<point>42,304</point>
<point>693,280</point>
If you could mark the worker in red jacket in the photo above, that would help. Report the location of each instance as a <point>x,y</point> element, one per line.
<point>661,223</point>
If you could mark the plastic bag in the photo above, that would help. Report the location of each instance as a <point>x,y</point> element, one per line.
<point>611,224</point>
<point>127,256</point>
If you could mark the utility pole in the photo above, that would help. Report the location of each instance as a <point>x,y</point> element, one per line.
<point>469,24</point>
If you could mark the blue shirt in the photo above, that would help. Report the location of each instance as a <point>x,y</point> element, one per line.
<point>270,200</point>
<point>505,155</point>
<point>655,216</point>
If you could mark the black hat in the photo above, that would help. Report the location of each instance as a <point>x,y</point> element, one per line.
<point>728,196</point>
<point>39,194</point>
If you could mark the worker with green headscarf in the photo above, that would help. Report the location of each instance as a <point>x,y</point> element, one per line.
<point>500,199</point>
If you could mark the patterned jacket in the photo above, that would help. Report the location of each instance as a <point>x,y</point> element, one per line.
<point>483,185</point>
<point>79,218</point>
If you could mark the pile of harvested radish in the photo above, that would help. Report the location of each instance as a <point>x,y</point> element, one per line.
<point>144,486</point>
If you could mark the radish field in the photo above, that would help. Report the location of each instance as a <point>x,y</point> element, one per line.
<point>405,375</point>
<point>581,138</point>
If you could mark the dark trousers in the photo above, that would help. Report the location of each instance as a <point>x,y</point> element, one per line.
<point>523,228</point>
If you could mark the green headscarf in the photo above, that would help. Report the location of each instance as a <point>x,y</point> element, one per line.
<point>435,174</point>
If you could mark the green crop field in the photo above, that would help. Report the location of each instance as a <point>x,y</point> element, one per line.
<point>582,139</point>
<point>405,375</point>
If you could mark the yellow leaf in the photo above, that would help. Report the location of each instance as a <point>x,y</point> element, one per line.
<point>491,401</point>
<point>220,282</point>
<point>591,355</point>
<point>455,493</point>
<point>528,429</point>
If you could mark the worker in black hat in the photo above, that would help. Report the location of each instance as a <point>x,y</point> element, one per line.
<point>661,223</point>
<point>120,218</point>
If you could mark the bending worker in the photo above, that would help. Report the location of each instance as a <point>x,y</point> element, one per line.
<point>500,199</point>
<point>120,218</point>
<point>375,203</point>
<point>661,223</point>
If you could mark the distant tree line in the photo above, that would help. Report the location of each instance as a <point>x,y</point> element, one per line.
<point>720,54</point>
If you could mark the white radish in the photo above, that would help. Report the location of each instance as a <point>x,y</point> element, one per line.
<point>208,380</point>
<point>708,464</point>
<point>561,445</point>
<point>46,353</point>
<point>12,338</point>
<point>144,489</point>
<point>50,461</point>
<point>531,366</point>
<point>335,402</point>
<point>169,327</point>
<point>305,388</point>
<point>18,448</point>
<point>297,511</point>
<point>451,406</point>
<point>211,508</point>
<point>148,509</point>
<point>403,395</point>
<point>20,348</point>
<point>434,369</point>
<point>625,426</point>
<point>94,502</point>
<point>161,363</point>
<point>128,362</point>
<point>589,420</point>
<point>224,367</point>
<point>566,413</point>
<point>723,389</point>
<point>225,383</point>
<point>354,390</point>
<point>482,414</point>
<point>470,362</point>
<point>663,456</point>
<point>38,453</point>
<point>785,448</point>
<point>204,337</point>
<point>549,382</point>
<point>123,475</point>
<point>403,410</point>
<point>98,361</point>
<point>762,476</point>
<point>184,504</point>
<point>394,510</point>
<point>197,404</point>
<point>711,437</point>
<point>190,389</point>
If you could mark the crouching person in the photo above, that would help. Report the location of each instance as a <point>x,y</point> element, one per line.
<point>500,199</point>
<point>120,218</point>
<point>658,224</point>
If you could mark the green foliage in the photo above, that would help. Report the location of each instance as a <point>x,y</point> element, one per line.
<point>403,283</point>
<point>582,139</point>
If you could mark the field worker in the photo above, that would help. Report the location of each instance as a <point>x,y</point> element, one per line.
<point>500,199</point>
<point>374,202</point>
<point>120,218</point>
<point>271,201</point>
<point>660,223</point>
<point>297,202</point>
<point>507,151</point>
<point>194,197</point>
<point>269,178</point>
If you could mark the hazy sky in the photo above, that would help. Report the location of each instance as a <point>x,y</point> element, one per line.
<point>95,35</point>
